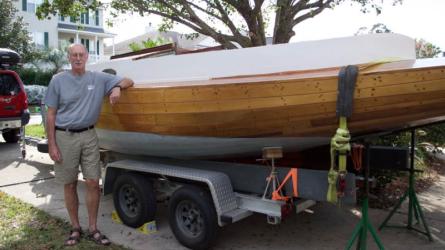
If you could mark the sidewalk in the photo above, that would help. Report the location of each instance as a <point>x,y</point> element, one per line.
<point>329,227</point>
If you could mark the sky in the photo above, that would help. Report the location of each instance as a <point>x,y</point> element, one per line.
<point>414,18</point>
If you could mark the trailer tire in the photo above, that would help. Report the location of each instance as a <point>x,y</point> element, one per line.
<point>192,217</point>
<point>11,136</point>
<point>134,199</point>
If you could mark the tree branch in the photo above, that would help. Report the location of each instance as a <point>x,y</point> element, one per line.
<point>258,4</point>
<point>226,20</point>
<point>319,4</point>
<point>204,10</point>
<point>208,30</point>
<point>319,7</point>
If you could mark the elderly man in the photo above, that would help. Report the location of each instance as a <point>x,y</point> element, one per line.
<point>74,99</point>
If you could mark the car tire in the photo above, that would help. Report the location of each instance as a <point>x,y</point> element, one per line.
<point>12,135</point>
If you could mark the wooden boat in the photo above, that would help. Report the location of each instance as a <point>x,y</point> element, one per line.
<point>228,114</point>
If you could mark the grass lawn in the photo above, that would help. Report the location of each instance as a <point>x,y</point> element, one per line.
<point>35,130</point>
<point>24,227</point>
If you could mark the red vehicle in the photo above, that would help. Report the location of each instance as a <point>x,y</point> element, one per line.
<point>14,112</point>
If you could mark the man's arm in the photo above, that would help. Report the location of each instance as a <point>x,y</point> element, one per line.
<point>125,83</point>
<point>53,149</point>
<point>116,91</point>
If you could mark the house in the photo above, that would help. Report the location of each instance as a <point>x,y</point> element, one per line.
<point>59,31</point>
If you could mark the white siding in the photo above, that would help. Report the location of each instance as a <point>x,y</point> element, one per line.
<point>41,26</point>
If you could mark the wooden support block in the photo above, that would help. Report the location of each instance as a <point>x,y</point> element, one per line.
<point>272,153</point>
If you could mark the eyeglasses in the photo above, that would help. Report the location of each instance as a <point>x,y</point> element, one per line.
<point>76,55</point>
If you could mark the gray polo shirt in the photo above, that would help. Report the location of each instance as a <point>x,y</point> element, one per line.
<point>78,99</point>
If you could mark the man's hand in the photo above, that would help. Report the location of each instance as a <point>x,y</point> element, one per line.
<point>54,153</point>
<point>116,91</point>
<point>115,95</point>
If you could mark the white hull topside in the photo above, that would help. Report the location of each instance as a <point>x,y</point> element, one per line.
<point>185,147</point>
<point>328,53</point>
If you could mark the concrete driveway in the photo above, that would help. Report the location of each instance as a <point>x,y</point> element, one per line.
<point>329,227</point>
<point>35,119</point>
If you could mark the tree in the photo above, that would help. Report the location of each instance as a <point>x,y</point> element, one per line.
<point>149,43</point>
<point>55,58</point>
<point>231,23</point>
<point>376,28</point>
<point>134,46</point>
<point>426,49</point>
<point>13,32</point>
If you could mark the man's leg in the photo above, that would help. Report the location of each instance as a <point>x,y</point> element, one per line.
<point>67,170</point>
<point>92,201</point>
<point>91,172</point>
<point>66,173</point>
<point>72,203</point>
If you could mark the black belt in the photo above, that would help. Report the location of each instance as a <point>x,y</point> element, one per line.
<point>75,130</point>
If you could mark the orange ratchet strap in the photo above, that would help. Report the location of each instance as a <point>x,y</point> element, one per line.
<point>293,172</point>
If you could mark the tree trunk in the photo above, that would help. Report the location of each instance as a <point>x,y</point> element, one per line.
<point>284,34</point>
<point>283,23</point>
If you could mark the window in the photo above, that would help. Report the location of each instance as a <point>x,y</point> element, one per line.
<point>41,39</point>
<point>97,17</point>
<point>46,39</point>
<point>86,43</point>
<point>31,5</point>
<point>8,85</point>
<point>38,38</point>
<point>92,16</point>
<point>85,18</point>
<point>97,47</point>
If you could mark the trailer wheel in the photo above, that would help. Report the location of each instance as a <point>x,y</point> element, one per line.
<point>192,217</point>
<point>134,199</point>
<point>11,136</point>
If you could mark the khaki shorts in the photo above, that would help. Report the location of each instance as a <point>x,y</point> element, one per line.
<point>77,149</point>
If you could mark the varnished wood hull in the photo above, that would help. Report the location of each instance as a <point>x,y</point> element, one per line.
<point>238,115</point>
<point>294,105</point>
